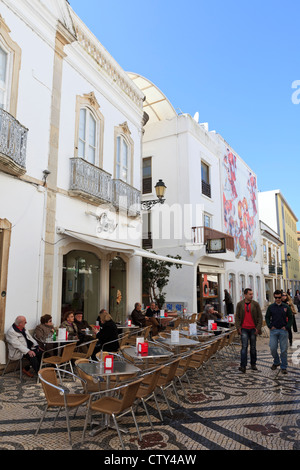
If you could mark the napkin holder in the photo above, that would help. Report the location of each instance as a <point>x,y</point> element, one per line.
<point>193,329</point>
<point>209,324</point>
<point>62,333</point>
<point>140,339</point>
<point>143,348</point>
<point>231,318</point>
<point>174,336</point>
<point>109,362</point>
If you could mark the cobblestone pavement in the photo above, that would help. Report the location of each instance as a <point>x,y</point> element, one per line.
<point>258,410</point>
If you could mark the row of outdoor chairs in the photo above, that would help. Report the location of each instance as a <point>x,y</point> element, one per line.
<point>135,390</point>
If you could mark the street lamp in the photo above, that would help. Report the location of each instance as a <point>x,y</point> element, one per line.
<point>160,189</point>
<point>288,258</point>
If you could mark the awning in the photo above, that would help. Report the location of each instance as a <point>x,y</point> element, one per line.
<point>111,245</point>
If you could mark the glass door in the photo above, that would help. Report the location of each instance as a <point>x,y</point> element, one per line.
<point>117,289</point>
<point>81,284</point>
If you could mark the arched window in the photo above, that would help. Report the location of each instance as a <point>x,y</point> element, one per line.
<point>122,161</point>
<point>87,139</point>
<point>89,130</point>
<point>10,63</point>
<point>124,151</point>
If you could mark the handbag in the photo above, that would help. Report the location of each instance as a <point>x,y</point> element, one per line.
<point>295,329</point>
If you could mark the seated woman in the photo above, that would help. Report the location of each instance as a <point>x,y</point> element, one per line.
<point>70,325</point>
<point>107,336</point>
<point>44,331</point>
<point>209,314</point>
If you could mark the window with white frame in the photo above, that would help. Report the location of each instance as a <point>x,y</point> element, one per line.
<point>207,220</point>
<point>87,138</point>
<point>4,85</point>
<point>122,159</point>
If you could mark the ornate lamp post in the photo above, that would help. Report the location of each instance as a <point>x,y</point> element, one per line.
<point>160,189</point>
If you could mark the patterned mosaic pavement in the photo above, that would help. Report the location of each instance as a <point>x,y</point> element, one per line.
<point>259,410</point>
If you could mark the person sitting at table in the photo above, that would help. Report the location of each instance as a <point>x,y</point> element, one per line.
<point>70,325</point>
<point>139,319</point>
<point>21,344</point>
<point>82,326</point>
<point>209,314</point>
<point>43,331</point>
<point>152,310</point>
<point>108,339</point>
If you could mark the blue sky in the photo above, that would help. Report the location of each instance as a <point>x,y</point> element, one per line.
<point>232,61</point>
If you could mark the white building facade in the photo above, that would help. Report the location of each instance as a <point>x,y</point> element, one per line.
<point>70,170</point>
<point>211,195</point>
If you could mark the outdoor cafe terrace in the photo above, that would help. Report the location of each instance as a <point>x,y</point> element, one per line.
<point>208,404</point>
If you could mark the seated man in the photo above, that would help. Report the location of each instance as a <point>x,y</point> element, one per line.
<point>139,319</point>
<point>209,314</point>
<point>21,343</point>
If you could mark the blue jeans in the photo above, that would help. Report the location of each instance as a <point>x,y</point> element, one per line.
<point>246,336</point>
<point>281,337</point>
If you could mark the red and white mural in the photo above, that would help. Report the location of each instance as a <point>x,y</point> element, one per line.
<point>240,205</point>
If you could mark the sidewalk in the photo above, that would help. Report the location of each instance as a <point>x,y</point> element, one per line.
<point>234,411</point>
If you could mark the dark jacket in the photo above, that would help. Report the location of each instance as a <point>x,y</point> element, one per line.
<point>255,313</point>
<point>279,316</point>
<point>108,334</point>
<point>138,318</point>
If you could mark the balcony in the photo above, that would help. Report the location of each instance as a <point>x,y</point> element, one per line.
<point>200,235</point>
<point>279,270</point>
<point>206,189</point>
<point>126,198</point>
<point>89,182</point>
<point>272,269</point>
<point>13,143</point>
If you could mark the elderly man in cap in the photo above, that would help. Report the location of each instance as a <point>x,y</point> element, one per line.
<point>22,344</point>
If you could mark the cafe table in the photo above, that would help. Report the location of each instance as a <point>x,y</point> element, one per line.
<point>154,352</point>
<point>218,331</point>
<point>97,371</point>
<point>201,335</point>
<point>182,342</point>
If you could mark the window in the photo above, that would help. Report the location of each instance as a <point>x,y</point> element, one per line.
<point>87,136</point>
<point>124,152</point>
<point>10,63</point>
<point>206,190</point>
<point>3,78</point>
<point>122,162</point>
<point>207,220</point>
<point>147,175</point>
<point>89,130</point>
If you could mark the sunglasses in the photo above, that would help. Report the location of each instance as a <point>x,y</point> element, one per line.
<point>277,296</point>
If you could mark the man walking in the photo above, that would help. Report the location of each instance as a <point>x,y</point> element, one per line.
<point>279,318</point>
<point>248,322</point>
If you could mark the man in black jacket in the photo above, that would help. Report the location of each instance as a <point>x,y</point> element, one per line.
<point>279,318</point>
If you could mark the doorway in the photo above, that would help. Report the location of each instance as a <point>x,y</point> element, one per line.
<point>208,291</point>
<point>117,289</point>
<point>81,284</point>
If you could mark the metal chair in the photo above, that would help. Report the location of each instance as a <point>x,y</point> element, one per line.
<point>167,380</point>
<point>146,391</point>
<point>114,407</point>
<point>58,396</point>
<point>63,360</point>
<point>18,361</point>
<point>85,355</point>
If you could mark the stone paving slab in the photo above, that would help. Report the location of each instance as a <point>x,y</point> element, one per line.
<point>258,410</point>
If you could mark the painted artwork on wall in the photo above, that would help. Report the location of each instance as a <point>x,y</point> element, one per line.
<point>240,205</point>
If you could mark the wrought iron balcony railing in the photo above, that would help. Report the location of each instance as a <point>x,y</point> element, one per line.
<point>13,144</point>
<point>126,197</point>
<point>89,181</point>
